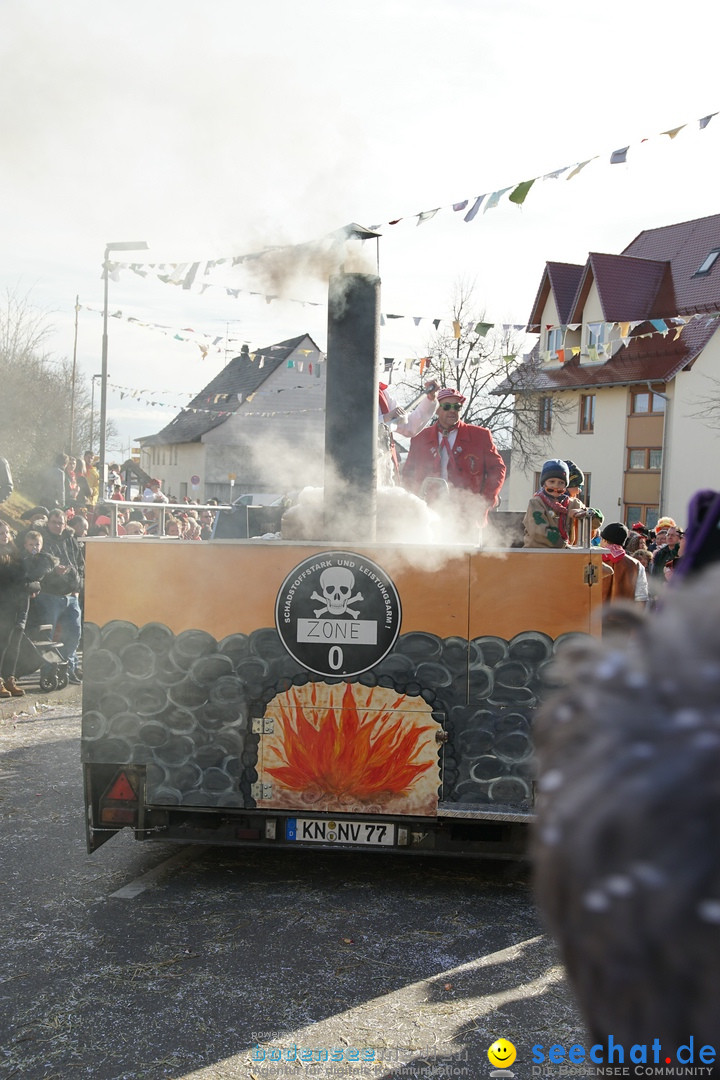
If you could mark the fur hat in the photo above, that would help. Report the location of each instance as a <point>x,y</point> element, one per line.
<point>554,468</point>
<point>666,523</point>
<point>576,477</point>
<point>615,533</point>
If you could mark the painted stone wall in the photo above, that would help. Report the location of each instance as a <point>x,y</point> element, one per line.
<point>183,704</point>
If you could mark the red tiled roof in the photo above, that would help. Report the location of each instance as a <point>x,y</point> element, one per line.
<point>685,246</point>
<point>563,279</point>
<point>627,287</point>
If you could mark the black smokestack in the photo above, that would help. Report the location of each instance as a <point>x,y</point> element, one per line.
<point>351,404</point>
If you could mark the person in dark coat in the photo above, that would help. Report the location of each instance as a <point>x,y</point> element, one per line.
<point>628,580</point>
<point>58,603</point>
<point>53,483</point>
<point>16,591</point>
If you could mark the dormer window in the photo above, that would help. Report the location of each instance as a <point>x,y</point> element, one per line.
<point>556,338</point>
<point>596,335</point>
<point>597,344</point>
<point>707,266</point>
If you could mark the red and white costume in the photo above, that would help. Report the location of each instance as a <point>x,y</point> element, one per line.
<point>467,458</point>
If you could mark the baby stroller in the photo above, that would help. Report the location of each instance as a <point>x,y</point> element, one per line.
<point>39,653</point>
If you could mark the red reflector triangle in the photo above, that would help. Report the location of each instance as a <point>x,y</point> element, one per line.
<point>121,789</point>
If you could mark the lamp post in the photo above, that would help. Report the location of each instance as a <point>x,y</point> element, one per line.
<point>125,245</point>
<point>92,413</point>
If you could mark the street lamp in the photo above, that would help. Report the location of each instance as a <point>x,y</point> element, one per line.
<point>92,413</point>
<point>125,245</point>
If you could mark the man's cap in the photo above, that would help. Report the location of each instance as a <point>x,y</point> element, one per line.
<point>449,392</point>
<point>37,511</point>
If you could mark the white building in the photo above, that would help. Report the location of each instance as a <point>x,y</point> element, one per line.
<point>626,363</point>
<point>259,425</point>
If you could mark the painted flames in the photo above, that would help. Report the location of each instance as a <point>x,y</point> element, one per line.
<point>348,747</point>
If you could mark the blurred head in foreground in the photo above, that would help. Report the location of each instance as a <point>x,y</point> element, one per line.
<point>626,845</point>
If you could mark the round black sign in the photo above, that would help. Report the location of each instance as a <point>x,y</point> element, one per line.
<point>338,613</point>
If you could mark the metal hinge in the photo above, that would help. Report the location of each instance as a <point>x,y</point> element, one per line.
<point>590,574</point>
<point>260,791</point>
<point>263,725</point>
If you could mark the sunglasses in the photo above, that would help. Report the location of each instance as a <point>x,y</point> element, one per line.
<point>447,405</point>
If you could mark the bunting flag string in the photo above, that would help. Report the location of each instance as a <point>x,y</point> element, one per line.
<point>217,343</point>
<point>179,274</point>
<point>205,341</point>
<point>520,190</point>
<point>601,334</point>
<point>210,342</point>
<point>674,324</point>
<point>189,274</point>
<point>146,396</point>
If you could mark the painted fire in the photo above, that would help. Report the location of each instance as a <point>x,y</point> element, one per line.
<point>349,747</point>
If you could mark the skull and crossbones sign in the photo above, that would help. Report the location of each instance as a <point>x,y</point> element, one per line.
<point>337,584</point>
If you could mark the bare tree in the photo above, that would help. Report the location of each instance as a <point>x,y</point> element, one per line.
<point>707,406</point>
<point>36,393</point>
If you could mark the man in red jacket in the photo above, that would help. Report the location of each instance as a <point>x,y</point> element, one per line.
<point>461,455</point>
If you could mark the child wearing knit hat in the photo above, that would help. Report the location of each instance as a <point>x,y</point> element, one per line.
<point>576,481</point>
<point>551,511</point>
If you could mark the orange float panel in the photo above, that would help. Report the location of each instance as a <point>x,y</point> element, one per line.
<point>232,586</point>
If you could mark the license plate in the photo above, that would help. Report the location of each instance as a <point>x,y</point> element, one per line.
<point>325,831</point>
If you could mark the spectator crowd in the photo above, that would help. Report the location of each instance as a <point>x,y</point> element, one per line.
<point>637,561</point>
<point>42,564</point>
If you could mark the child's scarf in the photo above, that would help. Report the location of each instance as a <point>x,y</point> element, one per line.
<point>559,507</point>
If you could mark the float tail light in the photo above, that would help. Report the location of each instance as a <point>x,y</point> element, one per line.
<point>119,805</point>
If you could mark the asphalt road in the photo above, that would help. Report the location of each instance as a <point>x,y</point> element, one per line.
<point>155,960</point>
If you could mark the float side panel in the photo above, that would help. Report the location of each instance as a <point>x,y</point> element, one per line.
<point>533,590</point>
<point>229,588</point>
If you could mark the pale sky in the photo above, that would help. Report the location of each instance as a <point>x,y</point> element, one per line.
<point>217,129</point>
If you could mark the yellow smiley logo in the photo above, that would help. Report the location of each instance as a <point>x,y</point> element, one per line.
<point>502,1053</point>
